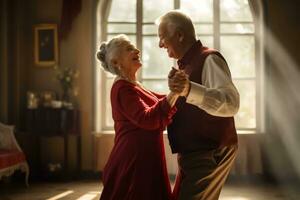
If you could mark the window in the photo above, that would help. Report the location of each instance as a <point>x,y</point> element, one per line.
<point>227,25</point>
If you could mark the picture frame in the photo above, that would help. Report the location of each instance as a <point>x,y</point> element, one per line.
<point>45,45</point>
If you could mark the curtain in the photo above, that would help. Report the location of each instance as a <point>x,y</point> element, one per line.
<point>70,10</point>
<point>4,70</point>
<point>12,60</point>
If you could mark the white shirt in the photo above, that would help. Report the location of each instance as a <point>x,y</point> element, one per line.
<point>217,95</point>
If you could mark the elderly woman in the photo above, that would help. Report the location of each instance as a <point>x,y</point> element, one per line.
<point>136,168</point>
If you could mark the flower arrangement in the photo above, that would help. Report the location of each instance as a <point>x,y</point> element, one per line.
<point>66,77</point>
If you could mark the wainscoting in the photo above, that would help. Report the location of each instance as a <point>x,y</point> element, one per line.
<point>249,159</point>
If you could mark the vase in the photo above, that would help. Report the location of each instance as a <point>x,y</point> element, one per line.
<point>65,95</point>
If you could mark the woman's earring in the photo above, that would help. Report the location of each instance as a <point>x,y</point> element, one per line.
<point>118,69</point>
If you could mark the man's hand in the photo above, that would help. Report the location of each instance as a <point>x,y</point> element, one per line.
<point>178,82</point>
<point>172,72</point>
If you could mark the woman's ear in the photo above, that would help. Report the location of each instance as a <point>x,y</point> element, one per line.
<point>114,62</point>
<point>117,65</point>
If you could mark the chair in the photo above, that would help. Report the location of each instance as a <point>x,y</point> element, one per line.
<point>12,157</point>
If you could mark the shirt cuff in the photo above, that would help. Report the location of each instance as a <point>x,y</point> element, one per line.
<point>196,94</point>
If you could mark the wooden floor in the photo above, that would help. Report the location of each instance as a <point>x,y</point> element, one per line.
<point>90,190</point>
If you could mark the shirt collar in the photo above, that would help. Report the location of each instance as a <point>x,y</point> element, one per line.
<point>189,54</point>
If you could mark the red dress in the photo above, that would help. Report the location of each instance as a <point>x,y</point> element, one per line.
<point>136,168</point>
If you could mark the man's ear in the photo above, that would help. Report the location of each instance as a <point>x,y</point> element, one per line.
<point>180,36</point>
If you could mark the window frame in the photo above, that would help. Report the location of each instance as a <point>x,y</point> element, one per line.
<point>102,12</point>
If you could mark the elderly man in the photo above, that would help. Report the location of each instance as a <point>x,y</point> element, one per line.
<point>203,131</point>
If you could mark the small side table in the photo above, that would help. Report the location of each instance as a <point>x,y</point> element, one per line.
<point>46,122</point>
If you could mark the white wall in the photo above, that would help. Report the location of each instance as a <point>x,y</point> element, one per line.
<point>249,159</point>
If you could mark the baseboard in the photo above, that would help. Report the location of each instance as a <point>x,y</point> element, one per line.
<point>90,174</point>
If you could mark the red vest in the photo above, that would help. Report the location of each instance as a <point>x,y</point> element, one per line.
<point>192,129</point>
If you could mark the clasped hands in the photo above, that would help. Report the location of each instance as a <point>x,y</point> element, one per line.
<point>178,82</point>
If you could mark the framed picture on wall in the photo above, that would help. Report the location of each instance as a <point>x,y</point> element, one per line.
<point>45,45</point>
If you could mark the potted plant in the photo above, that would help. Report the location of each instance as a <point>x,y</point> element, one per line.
<point>66,77</point>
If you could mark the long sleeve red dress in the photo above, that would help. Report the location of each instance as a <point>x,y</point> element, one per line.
<point>136,168</point>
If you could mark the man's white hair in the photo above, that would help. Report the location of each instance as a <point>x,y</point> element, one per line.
<point>176,20</point>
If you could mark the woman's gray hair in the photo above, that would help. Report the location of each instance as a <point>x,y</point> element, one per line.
<point>110,50</point>
<point>177,20</point>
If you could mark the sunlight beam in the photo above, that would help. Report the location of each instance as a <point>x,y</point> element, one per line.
<point>61,195</point>
<point>235,198</point>
<point>89,196</point>
<point>286,89</point>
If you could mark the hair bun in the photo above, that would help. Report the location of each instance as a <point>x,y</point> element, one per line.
<point>101,54</point>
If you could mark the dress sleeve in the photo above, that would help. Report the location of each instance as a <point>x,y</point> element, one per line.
<point>154,117</point>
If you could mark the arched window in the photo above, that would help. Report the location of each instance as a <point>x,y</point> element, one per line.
<point>227,25</point>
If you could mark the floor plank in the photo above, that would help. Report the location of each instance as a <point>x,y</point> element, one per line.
<point>90,190</point>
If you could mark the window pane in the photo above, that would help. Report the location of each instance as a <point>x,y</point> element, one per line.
<point>132,38</point>
<point>150,29</point>
<point>239,53</point>
<point>199,11</point>
<point>155,8</point>
<point>156,62</point>
<point>245,117</point>
<point>207,40</point>
<point>108,112</point>
<point>121,28</point>
<point>204,28</point>
<point>235,10</point>
<point>122,12</point>
<point>237,28</point>
<point>108,74</point>
<point>158,86</point>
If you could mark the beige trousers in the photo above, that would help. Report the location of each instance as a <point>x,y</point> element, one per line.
<point>202,174</point>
